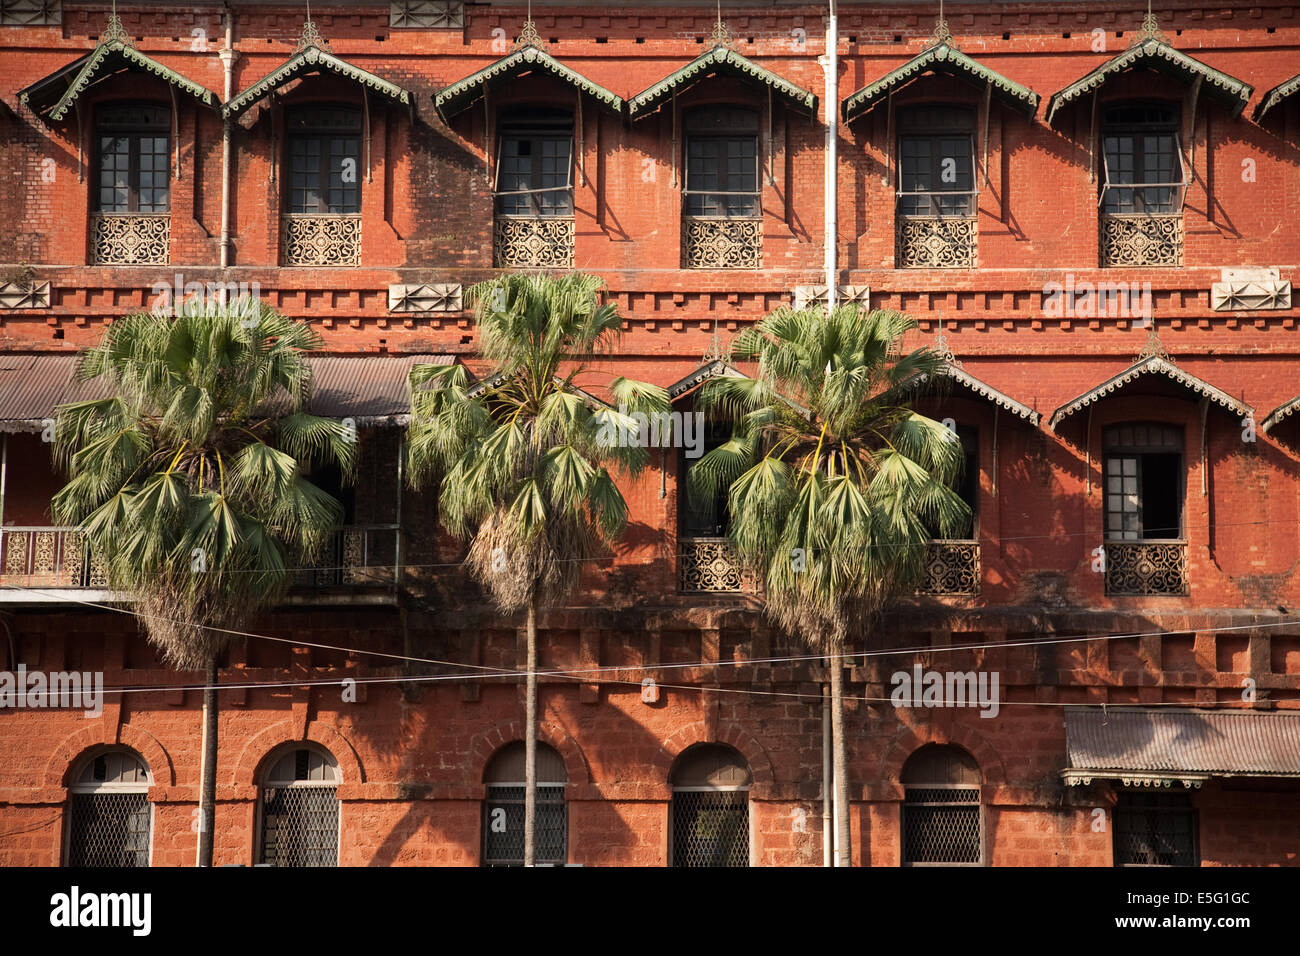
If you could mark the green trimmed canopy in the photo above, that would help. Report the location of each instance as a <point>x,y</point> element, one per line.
<point>1276,95</point>
<point>947,59</point>
<point>53,97</point>
<point>1154,54</point>
<point>310,60</point>
<point>463,94</point>
<point>719,60</point>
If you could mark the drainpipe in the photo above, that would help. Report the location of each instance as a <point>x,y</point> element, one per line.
<point>830,63</point>
<point>227,56</point>
<point>4,474</point>
<point>828,782</point>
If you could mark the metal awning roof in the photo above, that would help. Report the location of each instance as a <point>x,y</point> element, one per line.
<point>719,60</point>
<point>1276,95</point>
<point>1159,746</point>
<point>702,374</point>
<point>1280,414</point>
<point>980,388</point>
<point>463,94</point>
<point>1151,365</point>
<point>947,59</point>
<point>368,388</point>
<point>313,59</point>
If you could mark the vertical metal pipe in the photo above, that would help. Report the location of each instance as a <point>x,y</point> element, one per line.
<point>227,56</point>
<point>4,477</point>
<point>831,65</point>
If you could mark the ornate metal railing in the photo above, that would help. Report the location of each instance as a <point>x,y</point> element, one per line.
<point>356,555</point>
<point>1146,567</point>
<point>952,567</point>
<point>936,242</point>
<point>711,565</point>
<point>533,242</point>
<point>128,238</point>
<point>41,557</point>
<point>1141,239</point>
<point>308,239</point>
<point>709,243</point>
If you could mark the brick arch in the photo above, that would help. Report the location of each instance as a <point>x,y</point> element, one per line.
<point>908,742</point>
<point>71,748</point>
<point>485,745</point>
<point>728,733</point>
<point>269,739</point>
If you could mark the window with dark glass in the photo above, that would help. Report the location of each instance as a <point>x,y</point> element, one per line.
<point>936,162</point>
<point>1155,829</point>
<point>133,143</point>
<point>1144,482</point>
<point>503,810</point>
<point>722,163</point>
<point>108,809</point>
<point>535,164</point>
<point>709,811</point>
<point>704,515</point>
<point>1143,161</point>
<point>966,484</point>
<point>300,810</point>
<point>324,160</point>
<point>941,818</point>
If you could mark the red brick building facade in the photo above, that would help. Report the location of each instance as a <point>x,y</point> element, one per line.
<point>1091,212</point>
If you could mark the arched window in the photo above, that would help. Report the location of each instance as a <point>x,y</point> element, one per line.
<point>942,822</point>
<point>503,810</point>
<point>108,811</point>
<point>300,810</point>
<point>709,813</point>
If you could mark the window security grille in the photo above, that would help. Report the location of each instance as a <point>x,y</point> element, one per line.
<point>109,829</point>
<point>710,828</point>
<point>300,826</point>
<point>941,825</point>
<point>1155,829</point>
<point>503,826</point>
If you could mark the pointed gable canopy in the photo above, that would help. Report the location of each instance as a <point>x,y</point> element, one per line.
<point>313,56</point>
<point>941,56</point>
<point>711,368</point>
<point>528,56</point>
<point>1280,414</point>
<point>721,59</point>
<point>1277,95</point>
<point>1151,50</point>
<point>53,97</point>
<point>1153,360</point>
<point>953,372</point>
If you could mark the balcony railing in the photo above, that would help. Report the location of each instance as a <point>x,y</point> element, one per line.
<point>128,238</point>
<point>721,243</point>
<point>310,239</point>
<point>526,242</point>
<point>357,555</point>
<point>1146,567</point>
<point>936,242</point>
<point>711,565</point>
<point>952,567</point>
<point>1141,239</point>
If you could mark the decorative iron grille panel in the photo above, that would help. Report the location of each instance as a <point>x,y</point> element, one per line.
<point>952,567</point>
<point>428,14</point>
<point>310,240</point>
<point>300,826</point>
<point>1146,567</point>
<point>109,829</point>
<point>503,826</point>
<point>722,243</point>
<point>50,557</point>
<point>936,242</point>
<point>941,825</point>
<point>1141,240</point>
<point>355,555</point>
<point>711,564</point>
<point>127,239</point>
<point>711,828</point>
<point>538,243</point>
<point>1155,829</point>
<point>42,13</point>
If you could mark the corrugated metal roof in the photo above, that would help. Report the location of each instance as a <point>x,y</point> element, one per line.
<point>1173,743</point>
<point>369,388</point>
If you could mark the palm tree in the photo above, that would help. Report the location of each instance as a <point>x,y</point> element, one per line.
<point>524,458</point>
<point>187,480</point>
<point>834,482</point>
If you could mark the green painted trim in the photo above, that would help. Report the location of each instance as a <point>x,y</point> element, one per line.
<point>104,55</point>
<point>462,94</point>
<point>1276,95</point>
<point>310,59</point>
<point>941,59</point>
<point>1229,90</point>
<point>719,57</point>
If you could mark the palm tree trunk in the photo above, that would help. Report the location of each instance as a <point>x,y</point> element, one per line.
<point>208,783</point>
<point>842,857</point>
<point>530,740</point>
